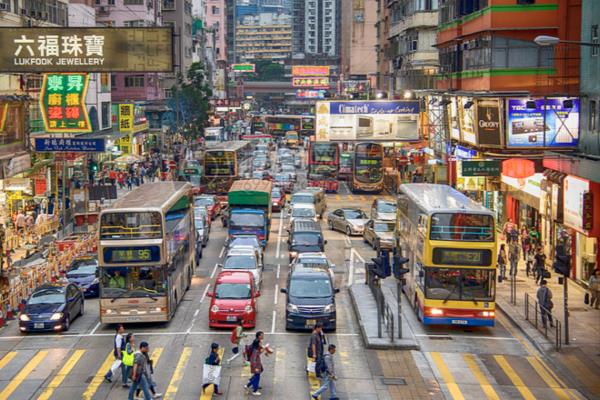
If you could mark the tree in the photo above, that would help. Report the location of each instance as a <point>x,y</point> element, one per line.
<point>190,101</point>
<point>267,70</point>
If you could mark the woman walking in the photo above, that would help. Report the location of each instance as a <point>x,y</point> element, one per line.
<point>236,339</point>
<point>128,357</point>
<point>256,366</point>
<point>502,260</point>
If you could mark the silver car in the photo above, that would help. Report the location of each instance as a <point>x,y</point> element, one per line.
<point>244,259</point>
<point>379,234</point>
<point>383,210</point>
<point>349,220</point>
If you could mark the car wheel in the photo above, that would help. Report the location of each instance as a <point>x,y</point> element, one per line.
<point>330,224</point>
<point>348,231</point>
<point>67,323</point>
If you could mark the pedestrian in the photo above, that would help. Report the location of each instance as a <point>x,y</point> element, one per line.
<point>544,298</point>
<point>118,347</point>
<point>121,179</point>
<point>530,261</point>
<point>540,265</point>
<point>502,262</point>
<point>150,377</point>
<point>316,346</point>
<point>507,228</point>
<point>236,339</point>
<point>213,359</point>
<point>328,375</point>
<point>594,288</point>
<point>525,243</point>
<point>534,237</point>
<point>140,373</point>
<point>513,257</point>
<point>129,182</point>
<point>128,357</point>
<point>256,366</point>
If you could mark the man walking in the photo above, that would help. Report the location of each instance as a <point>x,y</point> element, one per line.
<point>140,375</point>
<point>118,348</point>
<point>236,339</point>
<point>513,258</point>
<point>316,346</point>
<point>544,298</point>
<point>328,375</point>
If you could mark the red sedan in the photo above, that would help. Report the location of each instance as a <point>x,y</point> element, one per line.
<point>210,202</point>
<point>277,199</point>
<point>234,297</point>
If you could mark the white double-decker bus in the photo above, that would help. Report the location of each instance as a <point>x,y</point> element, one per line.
<point>146,253</point>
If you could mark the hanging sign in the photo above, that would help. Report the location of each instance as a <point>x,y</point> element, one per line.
<point>62,101</point>
<point>481,168</point>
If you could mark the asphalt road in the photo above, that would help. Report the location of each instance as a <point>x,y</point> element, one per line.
<point>454,363</point>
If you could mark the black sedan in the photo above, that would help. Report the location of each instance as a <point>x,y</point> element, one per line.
<point>84,273</point>
<point>51,307</point>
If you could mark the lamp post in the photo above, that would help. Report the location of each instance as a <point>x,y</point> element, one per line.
<point>544,40</point>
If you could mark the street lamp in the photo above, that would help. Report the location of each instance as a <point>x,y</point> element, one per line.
<point>545,40</point>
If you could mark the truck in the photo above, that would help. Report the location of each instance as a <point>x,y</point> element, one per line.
<point>250,209</point>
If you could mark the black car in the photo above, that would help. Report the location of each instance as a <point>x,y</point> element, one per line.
<point>51,307</point>
<point>84,273</point>
<point>305,237</point>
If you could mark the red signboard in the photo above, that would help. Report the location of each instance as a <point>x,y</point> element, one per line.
<point>310,70</point>
<point>588,211</point>
<point>315,82</point>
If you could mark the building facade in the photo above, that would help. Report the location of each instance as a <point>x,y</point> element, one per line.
<point>178,14</point>
<point>358,39</point>
<point>263,36</point>
<point>216,27</point>
<point>383,79</point>
<point>590,84</point>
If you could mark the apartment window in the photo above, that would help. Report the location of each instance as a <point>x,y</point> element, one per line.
<point>134,81</point>
<point>104,80</point>
<point>512,53</point>
<point>168,4</point>
<point>593,122</point>
<point>34,82</point>
<point>135,23</point>
<point>216,10</point>
<point>113,81</point>
<point>133,2</point>
<point>111,2</point>
<point>595,40</point>
<point>168,93</point>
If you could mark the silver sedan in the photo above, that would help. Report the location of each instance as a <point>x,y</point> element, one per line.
<point>348,220</point>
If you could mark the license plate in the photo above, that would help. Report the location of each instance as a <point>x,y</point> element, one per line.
<point>38,325</point>
<point>231,318</point>
<point>459,322</point>
<point>311,322</point>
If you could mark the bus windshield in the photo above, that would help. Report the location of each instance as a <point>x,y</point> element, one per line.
<point>461,226</point>
<point>133,282</point>
<point>323,152</point>
<point>131,225</point>
<point>459,284</point>
<point>219,163</point>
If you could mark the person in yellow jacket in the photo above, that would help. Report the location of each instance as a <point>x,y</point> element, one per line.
<point>128,357</point>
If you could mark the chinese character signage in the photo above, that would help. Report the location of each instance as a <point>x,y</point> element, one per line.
<point>3,115</point>
<point>310,93</point>
<point>86,49</point>
<point>310,70</point>
<point>125,117</point>
<point>62,101</point>
<point>70,145</point>
<point>549,123</point>
<point>481,168</point>
<point>318,82</point>
<point>243,67</point>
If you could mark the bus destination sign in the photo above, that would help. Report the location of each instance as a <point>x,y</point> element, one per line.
<point>133,254</point>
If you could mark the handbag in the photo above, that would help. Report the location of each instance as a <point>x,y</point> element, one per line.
<point>586,298</point>
<point>546,274</point>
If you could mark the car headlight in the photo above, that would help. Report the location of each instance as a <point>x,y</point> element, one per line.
<point>329,308</point>
<point>292,308</point>
<point>214,308</point>
<point>56,316</point>
<point>24,317</point>
<point>248,309</point>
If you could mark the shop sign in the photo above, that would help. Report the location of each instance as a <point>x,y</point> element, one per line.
<point>310,70</point>
<point>588,211</point>
<point>125,117</point>
<point>17,165</point>
<point>317,82</point>
<point>310,94</point>
<point>62,101</point>
<point>481,168</point>
<point>62,49</point>
<point>453,119</point>
<point>531,185</point>
<point>16,185</point>
<point>466,120</point>
<point>69,145</point>
<point>549,125</point>
<point>351,86</point>
<point>243,67</point>
<point>3,115</point>
<point>489,123</point>
<point>464,152</point>
<point>575,207</point>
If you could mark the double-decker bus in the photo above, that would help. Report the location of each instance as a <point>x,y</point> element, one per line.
<point>450,242</point>
<point>224,163</point>
<point>257,125</point>
<point>323,163</point>
<point>308,125</point>
<point>367,168</point>
<point>278,125</point>
<point>146,253</point>
<point>191,171</point>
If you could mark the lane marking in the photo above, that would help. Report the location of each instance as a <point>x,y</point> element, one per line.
<point>447,376</point>
<point>357,254</point>
<point>278,270</point>
<point>338,197</point>
<point>210,389</point>
<point>7,358</point>
<point>196,313</point>
<point>178,374</point>
<point>273,321</point>
<point>95,328</point>
<point>313,381</point>
<point>212,274</point>
<point>276,293</point>
<point>20,377</point>
<point>99,377</point>
<point>62,374</point>
<point>351,269</point>
<point>514,378</point>
<point>480,376</point>
<point>350,197</point>
<point>550,381</point>
<point>204,294</point>
<point>277,251</point>
<point>222,252</point>
<point>156,353</point>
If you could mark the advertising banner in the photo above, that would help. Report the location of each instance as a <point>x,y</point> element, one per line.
<point>575,190</point>
<point>549,125</point>
<point>355,86</point>
<point>310,70</point>
<point>367,120</point>
<point>63,49</point>
<point>453,119</point>
<point>489,123</point>
<point>466,120</point>
<point>69,145</point>
<point>62,102</point>
<point>243,67</point>
<point>310,93</point>
<point>316,82</point>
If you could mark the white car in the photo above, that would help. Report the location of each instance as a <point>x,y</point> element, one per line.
<point>302,211</point>
<point>315,260</point>
<point>244,259</point>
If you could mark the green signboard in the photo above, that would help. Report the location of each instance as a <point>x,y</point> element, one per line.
<point>62,101</point>
<point>243,67</point>
<point>481,168</point>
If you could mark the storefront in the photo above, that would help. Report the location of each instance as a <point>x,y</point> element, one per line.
<point>522,203</point>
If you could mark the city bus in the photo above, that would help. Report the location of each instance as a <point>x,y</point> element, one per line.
<point>323,163</point>
<point>257,125</point>
<point>367,168</point>
<point>191,171</point>
<point>450,241</point>
<point>224,163</point>
<point>278,125</point>
<point>146,253</point>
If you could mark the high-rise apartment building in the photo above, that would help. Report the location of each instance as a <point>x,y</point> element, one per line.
<point>321,27</point>
<point>263,36</point>
<point>358,39</point>
<point>178,14</point>
<point>216,28</point>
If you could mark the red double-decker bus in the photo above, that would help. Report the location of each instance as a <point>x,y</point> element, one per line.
<point>323,165</point>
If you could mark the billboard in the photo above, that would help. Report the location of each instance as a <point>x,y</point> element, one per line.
<point>367,120</point>
<point>550,124</point>
<point>63,49</point>
<point>62,102</point>
<point>318,82</point>
<point>310,93</point>
<point>466,120</point>
<point>310,70</point>
<point>243,67</point>
<point>575,190</point>
<point>489,122</point>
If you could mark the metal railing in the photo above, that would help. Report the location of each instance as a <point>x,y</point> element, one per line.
<point>544,321</point>
<point>385,315</point>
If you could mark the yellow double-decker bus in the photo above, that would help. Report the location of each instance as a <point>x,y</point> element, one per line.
<point>146,253</point>
<point>450,241</point>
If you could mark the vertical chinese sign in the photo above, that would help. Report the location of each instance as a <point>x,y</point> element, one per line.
<point>126,121</point>
<point>62,102</point>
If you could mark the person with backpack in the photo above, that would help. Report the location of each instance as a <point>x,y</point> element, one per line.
<point>236,339</point>
<point>256,367</point>
<point>140,373</point>
<point>213,359</point>
<point>502,262</point>
<point>328,375</point>
<point>128,356</point>
<point>544,298</point>
<point>118,348</point>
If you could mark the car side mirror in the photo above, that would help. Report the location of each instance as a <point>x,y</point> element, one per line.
<point>209,294</point>
<point>219,265</point>
<point>336,290</point>
<point>257,293</point>
<point>283,290</point>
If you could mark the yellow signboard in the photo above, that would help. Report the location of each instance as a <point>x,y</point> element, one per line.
<point>125,117</point>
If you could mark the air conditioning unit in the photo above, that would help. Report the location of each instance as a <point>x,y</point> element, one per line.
<point>3,7</point>
<point>23,11</point>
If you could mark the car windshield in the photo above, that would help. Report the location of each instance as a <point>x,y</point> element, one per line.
<point>311,287</point>
<point>386,207</point>
<point>240,262</point>
<point>246,220</point>
<point>384,226</point>
<point>121,282</point>
<point>288,168</point>
<point>303,212</point>
<point>232,291</point>
<point>322,171</point>
<point>355,214</point>
<point>200,212</point>
<point>459,284</point>
<point>303,199</point>
<point>306,239</point>
<point>83,267</point>
<point>48,296</point>
<point>203,201</point>
<point>282,177</point>
<point>462,226</point>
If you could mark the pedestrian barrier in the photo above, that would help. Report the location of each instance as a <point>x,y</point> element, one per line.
<point>385,316</point>
<point>540,317</point>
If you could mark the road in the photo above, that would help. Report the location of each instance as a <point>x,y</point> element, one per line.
<point>454,363</point>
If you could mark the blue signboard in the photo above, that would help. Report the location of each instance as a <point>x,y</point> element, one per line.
<point>374,107</point>
<point>553,122</point>
<point>69,145</point>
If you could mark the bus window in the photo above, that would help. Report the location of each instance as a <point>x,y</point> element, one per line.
<point>132,225</point>
<point>459,284</point>
<point>478,284</point>
<point>442,283</point>
<point>133,282</point>
<point>461,226</point>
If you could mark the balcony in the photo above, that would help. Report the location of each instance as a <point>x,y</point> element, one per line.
<point>423,19</point>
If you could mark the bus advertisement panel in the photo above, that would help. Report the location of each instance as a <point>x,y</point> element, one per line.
<point>323,164</point>
<point>367,171</point>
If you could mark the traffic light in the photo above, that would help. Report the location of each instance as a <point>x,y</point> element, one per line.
<point>93,166</point>
<point>562,261</point>
<point>397,269</point>
<point>381,266</point>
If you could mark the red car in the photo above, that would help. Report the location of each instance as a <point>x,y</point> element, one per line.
<point>234,296</point>
<point>285,182</point>
<point>277,199</point>
<point>212,204</point>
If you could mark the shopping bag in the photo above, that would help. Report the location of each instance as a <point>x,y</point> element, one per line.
<point>115,366</point>
<point>211,374</point>
<point>310,366</point>
<point>586,298</point>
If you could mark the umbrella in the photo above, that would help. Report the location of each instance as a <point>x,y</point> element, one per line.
<point>128,159</point>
